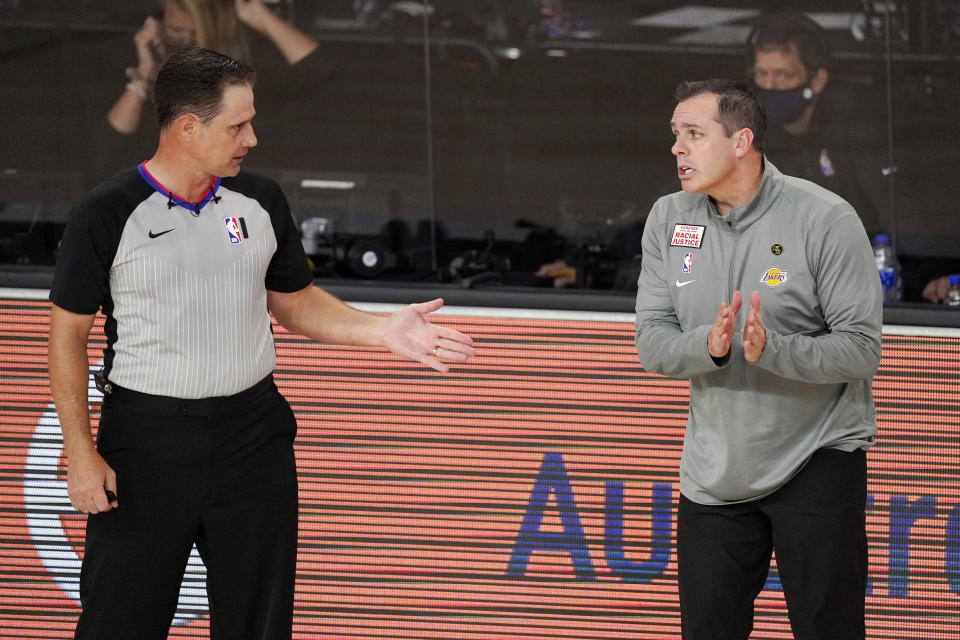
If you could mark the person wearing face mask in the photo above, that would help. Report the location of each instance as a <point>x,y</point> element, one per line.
<point>215,24</point>
<point>810,137</point>
<point>789,63</point>
<point>807,137</point>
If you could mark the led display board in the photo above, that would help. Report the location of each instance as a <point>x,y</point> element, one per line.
<point>527,494</point>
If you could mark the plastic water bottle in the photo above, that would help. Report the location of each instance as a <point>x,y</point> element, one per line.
<point>889,268</point>
<point>953,293</point>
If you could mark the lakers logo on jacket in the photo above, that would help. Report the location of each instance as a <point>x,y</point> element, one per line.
<point>774,277</point>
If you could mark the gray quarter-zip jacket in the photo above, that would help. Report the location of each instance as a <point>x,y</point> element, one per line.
<point>752,426</point>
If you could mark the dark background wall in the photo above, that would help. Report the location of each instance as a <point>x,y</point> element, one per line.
<point>566,129</point>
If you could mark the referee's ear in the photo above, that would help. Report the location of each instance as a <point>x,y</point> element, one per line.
<point>184,129</point>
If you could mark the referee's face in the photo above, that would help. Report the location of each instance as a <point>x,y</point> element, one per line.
<point>225,140</point>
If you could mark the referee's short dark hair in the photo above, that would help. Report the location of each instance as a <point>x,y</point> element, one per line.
<point>192,81</point>
<point>737,106</point>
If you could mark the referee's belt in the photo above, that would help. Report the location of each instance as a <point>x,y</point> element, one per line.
<point>214,405</point>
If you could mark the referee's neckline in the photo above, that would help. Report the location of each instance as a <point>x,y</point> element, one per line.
<point>173,199</point>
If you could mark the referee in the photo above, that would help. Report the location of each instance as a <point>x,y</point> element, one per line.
<point>187,256</point>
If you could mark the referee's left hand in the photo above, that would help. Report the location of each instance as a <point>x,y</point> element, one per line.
<point>409,334</point>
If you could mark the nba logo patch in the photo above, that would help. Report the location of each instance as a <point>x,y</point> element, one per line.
<point>826,164</point>
<point>687,263</point>
<point>236,229</point>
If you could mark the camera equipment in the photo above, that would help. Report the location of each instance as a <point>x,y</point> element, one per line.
<point>475,266</point>
<point>360,255</point>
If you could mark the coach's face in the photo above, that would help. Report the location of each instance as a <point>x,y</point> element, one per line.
<point>705,154</point>
<point>223,142</point>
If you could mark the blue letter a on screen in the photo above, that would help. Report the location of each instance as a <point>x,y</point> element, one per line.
<point>552,476</point>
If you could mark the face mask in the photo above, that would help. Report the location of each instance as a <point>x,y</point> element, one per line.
<point>784,105</point>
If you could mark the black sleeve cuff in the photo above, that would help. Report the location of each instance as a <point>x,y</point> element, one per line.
<point>721,361</point>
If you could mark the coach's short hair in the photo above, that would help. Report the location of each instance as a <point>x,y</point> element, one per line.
<point>737,106</point>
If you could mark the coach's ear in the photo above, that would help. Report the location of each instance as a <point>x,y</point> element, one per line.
<point>744,141</point>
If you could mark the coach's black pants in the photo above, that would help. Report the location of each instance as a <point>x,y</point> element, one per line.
<point>817,525</point>
<point>218,472</point>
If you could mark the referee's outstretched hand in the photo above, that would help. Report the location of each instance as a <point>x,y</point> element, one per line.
<point>410,335</point>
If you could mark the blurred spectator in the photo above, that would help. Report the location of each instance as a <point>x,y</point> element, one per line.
<point>936,289</point>
<point>213,24</point>
<point>555,20</point>
<point>807,136</point>
<point>807,133</point>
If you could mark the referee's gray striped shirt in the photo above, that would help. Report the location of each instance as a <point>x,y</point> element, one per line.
<point>186,300</point>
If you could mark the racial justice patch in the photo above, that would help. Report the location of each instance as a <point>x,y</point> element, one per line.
<point>687,235</point>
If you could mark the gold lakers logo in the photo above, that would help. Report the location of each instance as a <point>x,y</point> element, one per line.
<point>774,277</point>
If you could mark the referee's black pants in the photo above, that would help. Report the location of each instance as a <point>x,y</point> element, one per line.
<point>218,472</point>
<point>817,525</point>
